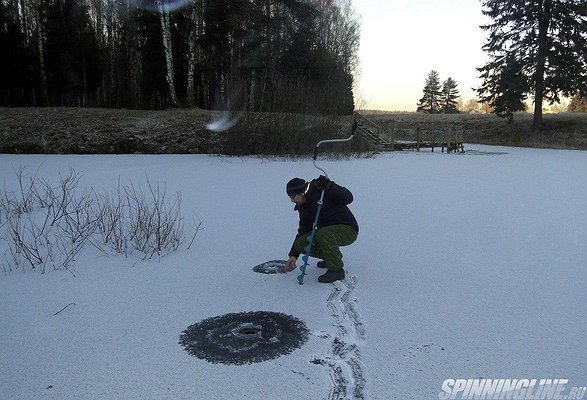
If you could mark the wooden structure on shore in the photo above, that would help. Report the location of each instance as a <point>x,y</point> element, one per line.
<point>383,140</point>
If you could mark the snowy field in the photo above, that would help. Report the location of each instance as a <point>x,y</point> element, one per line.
<point>467,266</point>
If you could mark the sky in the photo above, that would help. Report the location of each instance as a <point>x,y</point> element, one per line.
<point>402,41</point>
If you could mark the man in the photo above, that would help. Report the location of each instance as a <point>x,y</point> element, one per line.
<point>336,226</point>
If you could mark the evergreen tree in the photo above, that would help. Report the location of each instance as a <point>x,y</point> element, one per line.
<point>505,90</point>
<point>72,57</point>
<point>430,101</point>
<point>449,96</point>
<point>547,38</point>
<point>15,79</point>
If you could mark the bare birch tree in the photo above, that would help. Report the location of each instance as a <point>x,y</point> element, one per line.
<point>167,46</point>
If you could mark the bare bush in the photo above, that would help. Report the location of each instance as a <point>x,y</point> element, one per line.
<point>288,135</point>
<point>110,212</point>
<point>20,201</point>
<point>46,226</point>
<point>157,225</point>
<point>130,220</point>
<point>28,241</point>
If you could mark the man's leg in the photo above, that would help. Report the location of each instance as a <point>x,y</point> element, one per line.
<point>328,242</point>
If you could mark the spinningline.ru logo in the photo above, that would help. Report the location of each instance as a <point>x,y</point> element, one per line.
<point>515,389</point>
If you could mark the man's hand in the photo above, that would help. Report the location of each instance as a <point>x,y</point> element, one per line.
<point>290,264</point>
<point>322,183</point>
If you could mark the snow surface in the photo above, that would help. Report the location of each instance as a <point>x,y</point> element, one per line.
<point>466,266</point>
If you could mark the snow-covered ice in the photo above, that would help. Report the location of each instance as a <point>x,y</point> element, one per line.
<point>467,266</point>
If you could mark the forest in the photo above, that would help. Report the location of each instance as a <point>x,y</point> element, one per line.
<point>251,55</point>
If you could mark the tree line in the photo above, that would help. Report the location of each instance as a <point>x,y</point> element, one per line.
<point>254,55</point>
<point>537,50</point>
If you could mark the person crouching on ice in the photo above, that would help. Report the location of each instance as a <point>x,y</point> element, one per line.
<point>336,226</point>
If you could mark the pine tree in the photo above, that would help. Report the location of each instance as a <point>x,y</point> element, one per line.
<point>15,78</point>
<point>449,96</point>
<point>547,37</point>
<point>71,54</point>
<point>505,90</point>
<point>429,103</point>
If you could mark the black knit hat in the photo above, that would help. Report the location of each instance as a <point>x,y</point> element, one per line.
<point>295,186</point>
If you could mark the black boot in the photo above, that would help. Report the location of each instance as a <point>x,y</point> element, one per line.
<point>332,275</point>
<point>321,264</point>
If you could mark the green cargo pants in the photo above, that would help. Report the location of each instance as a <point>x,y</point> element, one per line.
<point>327,242</point>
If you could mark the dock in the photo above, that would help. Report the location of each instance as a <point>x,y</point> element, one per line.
<point>383,141</point>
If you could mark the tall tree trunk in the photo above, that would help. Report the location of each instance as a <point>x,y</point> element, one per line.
<point>268,59</point>
<point>135,97</point>
<point>98,6</point>
<point>543,24</point>
<point>167,46</point>
<point>192,54</point>
<point>24,19</point>
<point>190,98</point>
<point>42,70</point>
<point>109,79</point>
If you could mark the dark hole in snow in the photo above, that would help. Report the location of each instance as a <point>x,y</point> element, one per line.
<point>271,267</point>
<point>248,331</point>
<point>244,338</point>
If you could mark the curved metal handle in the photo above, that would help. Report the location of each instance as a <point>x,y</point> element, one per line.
<point>351,135</point>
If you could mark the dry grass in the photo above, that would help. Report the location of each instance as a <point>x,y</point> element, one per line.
<point>564,130</point>
<point>103,131</point>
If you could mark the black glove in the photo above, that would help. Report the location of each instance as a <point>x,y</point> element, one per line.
<point>322,183</point>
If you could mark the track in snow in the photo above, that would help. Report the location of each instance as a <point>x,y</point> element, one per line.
<point>343,359</point>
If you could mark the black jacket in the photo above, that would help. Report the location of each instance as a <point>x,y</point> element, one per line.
<point>334,210</point>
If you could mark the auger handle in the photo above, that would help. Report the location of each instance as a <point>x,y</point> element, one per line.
<point>351,134</point>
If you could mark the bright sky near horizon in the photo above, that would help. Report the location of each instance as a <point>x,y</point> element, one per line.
<point>402,41</point>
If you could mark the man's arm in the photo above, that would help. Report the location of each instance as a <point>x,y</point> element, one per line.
<point>338,195</point>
